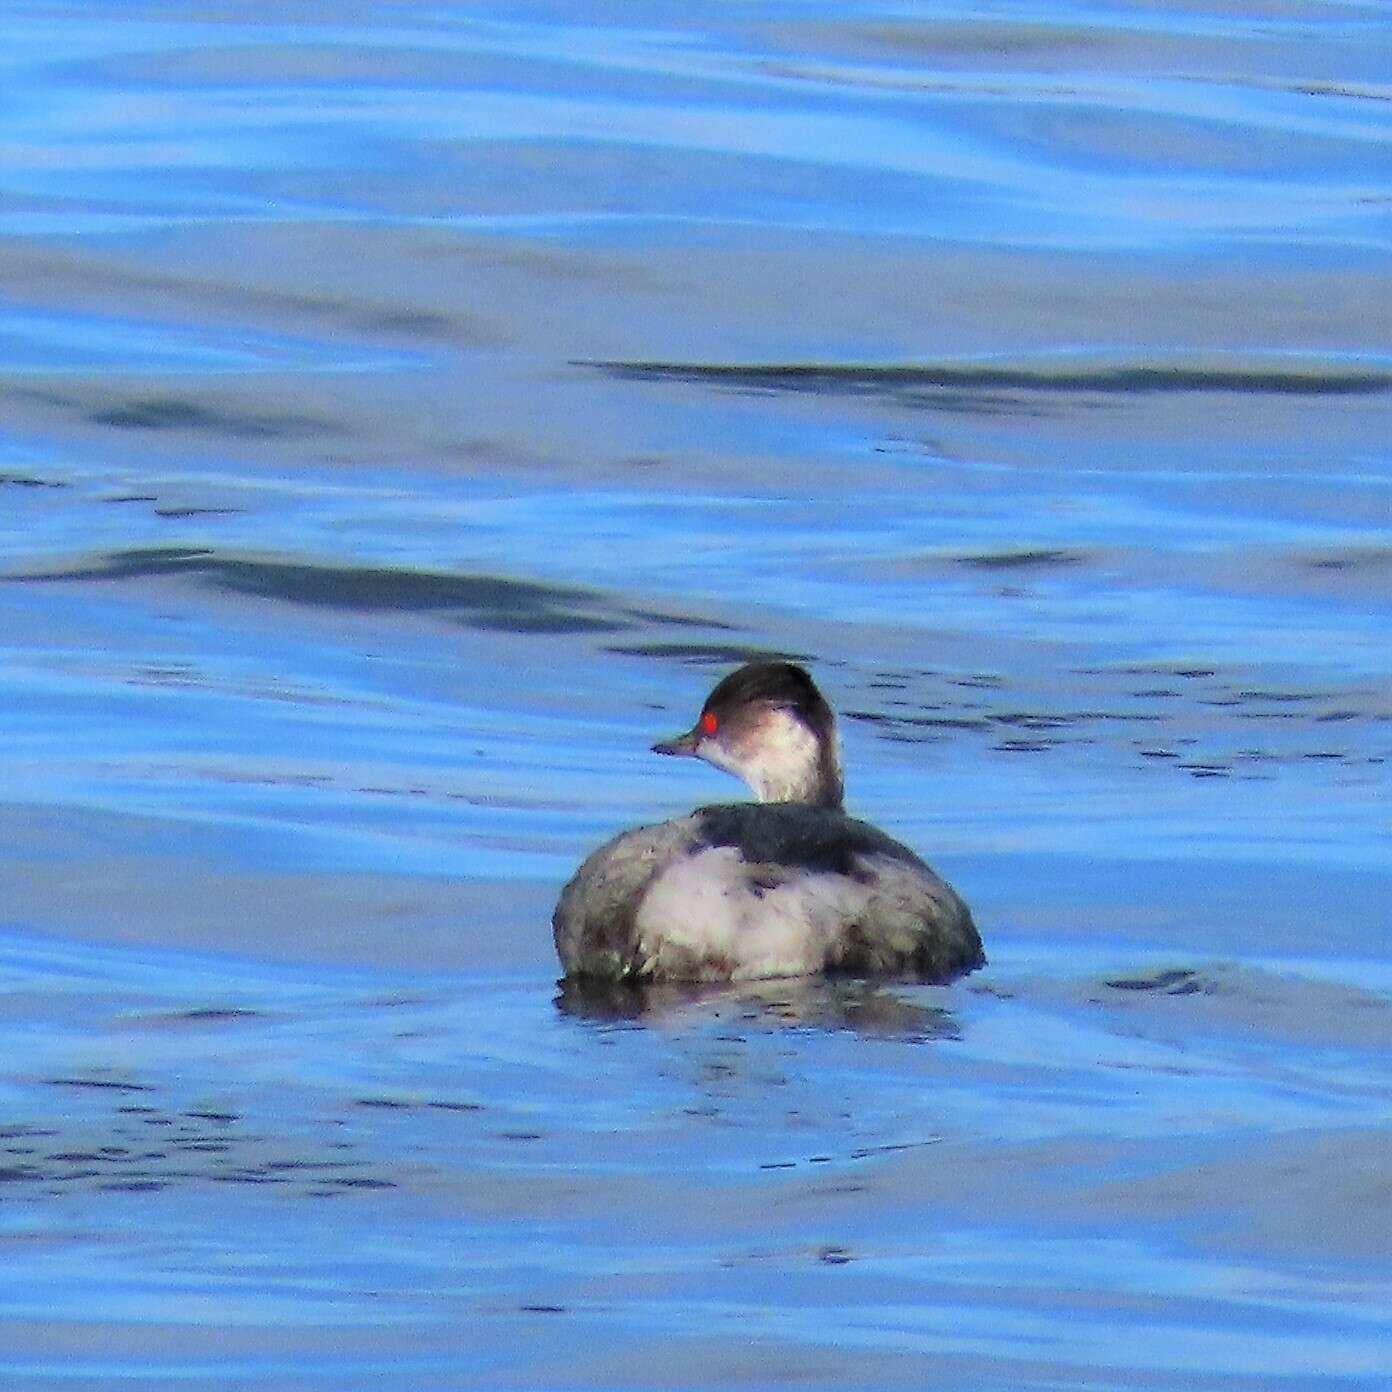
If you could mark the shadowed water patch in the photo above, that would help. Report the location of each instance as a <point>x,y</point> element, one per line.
<point>518,620</point>
<point>1037,559</point>
<point>53,340</point>
<point>1364,571</point>
<point>181,514</point>
<point>1211,724</point>
<point>99,1084</point>
<point>175,413</point>
<point>707,654</point>
<point>679,620</point>
<point>1244,1001</point>
<point>198,1016</point>
<point>1361,558</point>
<point>1177,981</point>
<point>28,481</point>
<point>480,601</point>
<point>900,727</point>
<point>148,1148</point>
<point>925,383</point>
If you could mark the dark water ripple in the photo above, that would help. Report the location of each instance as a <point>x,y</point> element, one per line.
<point>484,600</point>
<point>1056,374</point>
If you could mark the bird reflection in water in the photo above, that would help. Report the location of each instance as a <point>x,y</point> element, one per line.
<point>870,1008</point>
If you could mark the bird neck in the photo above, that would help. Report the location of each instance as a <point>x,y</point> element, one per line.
<point>793,764</point>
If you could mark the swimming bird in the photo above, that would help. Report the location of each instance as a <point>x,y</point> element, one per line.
<point>785,886</point>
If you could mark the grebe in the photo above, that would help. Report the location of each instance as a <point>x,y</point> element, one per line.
<point>786,886</point>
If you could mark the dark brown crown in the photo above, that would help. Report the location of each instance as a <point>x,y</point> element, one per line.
<point>782,684</point>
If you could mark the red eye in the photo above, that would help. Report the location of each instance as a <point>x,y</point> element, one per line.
<point>709,724</point>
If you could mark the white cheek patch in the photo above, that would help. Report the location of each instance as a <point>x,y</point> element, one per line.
<point>713,752</point>
<point>781,763</point>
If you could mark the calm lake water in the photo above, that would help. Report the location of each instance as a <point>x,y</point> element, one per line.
<point>409,411</point>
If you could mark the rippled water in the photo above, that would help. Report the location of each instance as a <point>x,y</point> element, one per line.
<point>408,412</point>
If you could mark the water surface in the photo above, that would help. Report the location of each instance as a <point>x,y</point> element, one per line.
<point>409,413</point>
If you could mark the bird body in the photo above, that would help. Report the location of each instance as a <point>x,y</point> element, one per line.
<point>789,886</point>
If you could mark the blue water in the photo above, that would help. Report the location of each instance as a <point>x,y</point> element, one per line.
<point>409,412</point>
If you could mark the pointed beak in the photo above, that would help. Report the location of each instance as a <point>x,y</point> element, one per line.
<point>682,744</point>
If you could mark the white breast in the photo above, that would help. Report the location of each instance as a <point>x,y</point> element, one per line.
<point>711,916</point>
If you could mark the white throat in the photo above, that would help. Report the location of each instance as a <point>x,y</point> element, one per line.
<point>781,760</point>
